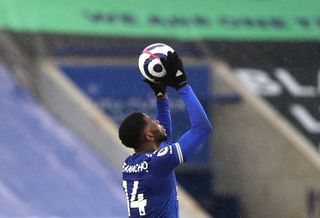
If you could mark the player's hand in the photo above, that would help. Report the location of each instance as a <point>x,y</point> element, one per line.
<point>175,77</point>
<point>159,89</point>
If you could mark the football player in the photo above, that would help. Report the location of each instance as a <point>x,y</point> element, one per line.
<point>149,180</point>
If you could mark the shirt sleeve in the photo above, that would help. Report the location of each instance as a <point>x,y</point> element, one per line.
<point>166,159</point>
<point>200,124</point>
<point>164,117</point>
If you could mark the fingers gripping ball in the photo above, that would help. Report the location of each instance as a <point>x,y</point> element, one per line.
<point>150,65</point>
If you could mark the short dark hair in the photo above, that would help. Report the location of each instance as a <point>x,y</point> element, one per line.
<point>131,128</point>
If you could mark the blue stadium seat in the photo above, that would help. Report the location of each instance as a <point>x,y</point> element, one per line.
<point>47,170</point>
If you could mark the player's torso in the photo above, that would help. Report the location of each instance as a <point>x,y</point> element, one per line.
<point>148,193</point>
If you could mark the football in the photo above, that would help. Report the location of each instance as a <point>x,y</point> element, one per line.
<point>150,65</point>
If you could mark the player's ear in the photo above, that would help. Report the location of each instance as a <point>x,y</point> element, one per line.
<point>148,136</point>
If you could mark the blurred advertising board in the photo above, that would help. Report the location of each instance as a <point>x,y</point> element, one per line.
<point>180,19</point>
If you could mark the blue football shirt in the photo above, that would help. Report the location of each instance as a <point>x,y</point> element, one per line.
<point>149,180</point>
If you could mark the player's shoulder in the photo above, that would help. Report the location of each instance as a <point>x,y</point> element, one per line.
<point>138,157</point>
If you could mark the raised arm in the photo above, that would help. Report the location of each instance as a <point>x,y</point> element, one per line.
<point>174,154</point>
<point>200,125</point>
<point>164,116</point>
<point>163,110</point>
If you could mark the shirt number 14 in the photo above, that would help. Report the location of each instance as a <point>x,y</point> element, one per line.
<point>136,200</point>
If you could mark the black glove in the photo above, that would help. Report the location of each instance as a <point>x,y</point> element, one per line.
<point>175,77</point>
<point>159,89</point>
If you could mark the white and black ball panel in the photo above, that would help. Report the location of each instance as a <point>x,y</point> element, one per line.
<point>154,69</point>
<point>150,65</point>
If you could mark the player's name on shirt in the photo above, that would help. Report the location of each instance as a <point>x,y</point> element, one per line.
<point>136,168</point>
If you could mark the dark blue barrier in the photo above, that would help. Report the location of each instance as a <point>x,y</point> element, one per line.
<point>45,169</point>
<point>119,90</point>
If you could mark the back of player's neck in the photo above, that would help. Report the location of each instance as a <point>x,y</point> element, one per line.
<point>146,148</point>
